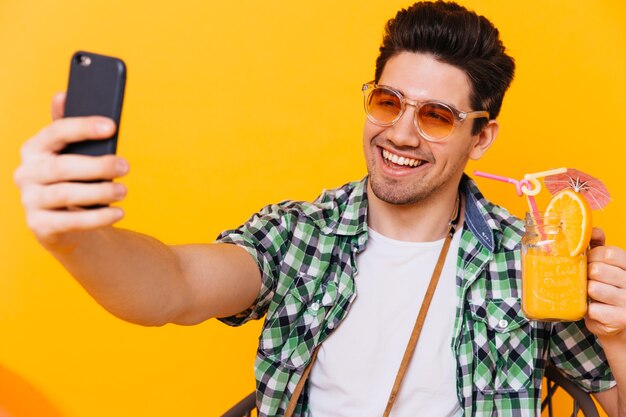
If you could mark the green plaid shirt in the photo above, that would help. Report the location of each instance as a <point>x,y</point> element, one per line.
<point>307,252</point>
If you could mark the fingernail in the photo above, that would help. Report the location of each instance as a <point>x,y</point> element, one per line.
<point>118,213</point>
<point>121,166</point>
<point>104,127</point>
<point>119,190</point>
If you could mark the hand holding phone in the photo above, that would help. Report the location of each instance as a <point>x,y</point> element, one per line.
<point>55,176</point>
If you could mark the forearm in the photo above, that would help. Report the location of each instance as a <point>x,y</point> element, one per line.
<point>133,276</point>
<point>615,350</point>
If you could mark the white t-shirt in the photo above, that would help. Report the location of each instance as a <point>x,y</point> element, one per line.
<point>357,365</point>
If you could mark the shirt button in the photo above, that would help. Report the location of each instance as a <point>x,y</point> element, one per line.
<point>315,306</point>
<point>502,324</point>
<point>331,325</point>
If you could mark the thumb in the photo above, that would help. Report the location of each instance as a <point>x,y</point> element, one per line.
<point>597,237</point>
<point>58,106</point>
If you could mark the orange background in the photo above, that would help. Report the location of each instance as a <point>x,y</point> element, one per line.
<point>233,105</point>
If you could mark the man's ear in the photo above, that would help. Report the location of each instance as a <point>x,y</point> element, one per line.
<point>484,140</point>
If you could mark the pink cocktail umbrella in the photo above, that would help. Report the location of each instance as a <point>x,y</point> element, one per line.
<point>594,191</point>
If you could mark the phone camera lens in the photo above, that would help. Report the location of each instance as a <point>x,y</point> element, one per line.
<point>84,60</point>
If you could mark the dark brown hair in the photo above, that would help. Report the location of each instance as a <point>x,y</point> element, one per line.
<point>459,37</point>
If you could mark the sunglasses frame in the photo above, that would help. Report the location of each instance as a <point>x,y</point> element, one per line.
<point>459,116</point>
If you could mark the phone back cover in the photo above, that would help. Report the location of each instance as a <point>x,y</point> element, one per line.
<point>95,89</point>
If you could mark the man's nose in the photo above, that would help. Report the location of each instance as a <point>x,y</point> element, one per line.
<point>404,132</point>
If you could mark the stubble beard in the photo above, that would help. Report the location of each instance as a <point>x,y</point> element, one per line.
<point>399,194</point>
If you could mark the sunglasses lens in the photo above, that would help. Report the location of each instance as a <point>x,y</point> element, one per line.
<point>435,120</point>
<point>383,105</point>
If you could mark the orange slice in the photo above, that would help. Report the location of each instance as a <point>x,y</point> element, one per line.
<point>575,214</point>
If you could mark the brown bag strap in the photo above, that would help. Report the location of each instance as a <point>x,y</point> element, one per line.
<point>417,328</point>
<point>296,392</point>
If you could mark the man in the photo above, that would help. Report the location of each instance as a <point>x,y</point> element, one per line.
<point>341,279</point>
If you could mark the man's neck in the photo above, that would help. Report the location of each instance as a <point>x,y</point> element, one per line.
<point>423,221</point>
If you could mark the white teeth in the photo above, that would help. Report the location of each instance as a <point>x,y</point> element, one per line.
<point>400,160</point>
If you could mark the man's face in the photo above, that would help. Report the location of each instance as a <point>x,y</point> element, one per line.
<point>441,164</point>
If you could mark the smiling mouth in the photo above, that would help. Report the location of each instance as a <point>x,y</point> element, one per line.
<point>401,160</point>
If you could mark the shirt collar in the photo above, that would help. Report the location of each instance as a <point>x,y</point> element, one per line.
<point>343,211</point>
<point>492,225</point>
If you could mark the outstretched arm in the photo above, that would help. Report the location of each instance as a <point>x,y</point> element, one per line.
<point>134,276</point>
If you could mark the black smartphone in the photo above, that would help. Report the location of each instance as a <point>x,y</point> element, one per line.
<point>95,88</point>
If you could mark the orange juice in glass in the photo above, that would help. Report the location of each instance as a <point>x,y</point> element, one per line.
<point>554,278</point>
